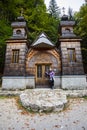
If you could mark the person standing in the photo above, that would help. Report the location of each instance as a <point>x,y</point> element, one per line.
<point>51,78</point>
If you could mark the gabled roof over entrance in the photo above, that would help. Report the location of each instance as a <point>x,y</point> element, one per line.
<point>42,42</point>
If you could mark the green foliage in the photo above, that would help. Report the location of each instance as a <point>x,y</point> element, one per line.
<point>7,9</point>
<point>2,97</point>
<point>81,18</point>
<point>52,29</point>
<point>85,97</point>
<point>81,30</point>
<point>36,17</point>
<point>5,32</point>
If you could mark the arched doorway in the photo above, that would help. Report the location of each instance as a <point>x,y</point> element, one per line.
<point>38,62</point>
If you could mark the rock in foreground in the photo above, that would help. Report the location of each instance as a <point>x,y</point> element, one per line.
<point>43,100</point>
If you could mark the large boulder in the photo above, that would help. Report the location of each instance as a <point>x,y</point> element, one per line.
<point>43,100</point>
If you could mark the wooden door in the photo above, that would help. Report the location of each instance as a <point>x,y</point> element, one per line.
<point>41,79</point>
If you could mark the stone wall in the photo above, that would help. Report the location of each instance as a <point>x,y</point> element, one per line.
<point>71,68</point>
<point>74,82</point>
<point>30,82</point>
<point>13,83</point>
<point>57,82</point>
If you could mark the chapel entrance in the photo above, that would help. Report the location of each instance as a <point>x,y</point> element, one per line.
<point>41,80</point>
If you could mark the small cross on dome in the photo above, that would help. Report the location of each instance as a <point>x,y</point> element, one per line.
<point>63,10</point>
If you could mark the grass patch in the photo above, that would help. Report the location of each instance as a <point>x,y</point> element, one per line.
<point>7,96</point>
<point>3,97</point>
<point>65,89</point>
<point>85,97</point>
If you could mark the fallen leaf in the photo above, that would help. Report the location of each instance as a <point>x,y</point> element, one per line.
<point>83,127</point>
<point>57,126</point>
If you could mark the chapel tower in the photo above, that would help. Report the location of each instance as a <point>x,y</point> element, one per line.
<point>16,53</point>
<point>72,65</point>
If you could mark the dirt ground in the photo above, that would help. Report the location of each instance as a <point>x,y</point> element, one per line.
<point>12,117</point>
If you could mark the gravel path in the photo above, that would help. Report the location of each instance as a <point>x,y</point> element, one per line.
<point>13,118</point>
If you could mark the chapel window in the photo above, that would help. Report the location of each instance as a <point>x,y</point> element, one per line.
<point>67,30</point>
<point>15,56</point>
<point>18,32</point>
<point>71,55</point>
<point>39,71</point>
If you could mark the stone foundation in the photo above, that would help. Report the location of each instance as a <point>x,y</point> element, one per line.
<point>57,82</point>
<point>30,82</point>
<point>18,83</point>
<point>64,82</point>
<point>74,82</point>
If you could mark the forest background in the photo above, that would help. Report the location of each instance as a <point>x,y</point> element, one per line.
<point>39,19</point>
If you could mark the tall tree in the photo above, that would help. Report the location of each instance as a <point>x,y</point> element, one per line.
<point>81,29</point>
<point>53,9</point>
<point>7,9</point>
<point>5,32</point>
<point>36,16</point>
